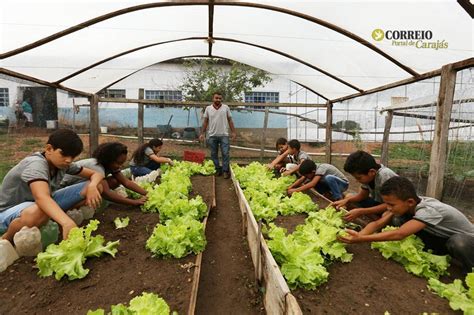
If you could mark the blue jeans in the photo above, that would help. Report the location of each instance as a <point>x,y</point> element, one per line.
<point>333,184</point>
<point>214,143</point>
<point>65,197</point>
<point>146,169</point>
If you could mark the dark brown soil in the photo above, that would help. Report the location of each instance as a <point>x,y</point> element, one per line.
<point>227,283</point>
<point>290,222</point>
<point>370,284</point>
<point>110,281</point>
<point>202,185</point>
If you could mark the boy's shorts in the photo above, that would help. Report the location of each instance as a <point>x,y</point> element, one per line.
<point>65,197</point>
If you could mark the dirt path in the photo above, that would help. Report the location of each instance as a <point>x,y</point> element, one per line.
<point>227,283</point>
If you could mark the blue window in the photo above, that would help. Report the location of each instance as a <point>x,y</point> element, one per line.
<point>165,95</point>
<point>261,97</point>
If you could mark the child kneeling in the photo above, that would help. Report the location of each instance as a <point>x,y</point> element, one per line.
<point>323,177</point>
<point>29,194</point>
<point>443,228</point>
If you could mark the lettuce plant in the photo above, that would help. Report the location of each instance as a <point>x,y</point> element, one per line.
<point>177,238</point>
<point>147,303</point>
<point>409,252</point>
<point>121,223</point>
<point>305,254</point>
<point>459,297</point>
<point>267,195</point>
<point>67,258</point>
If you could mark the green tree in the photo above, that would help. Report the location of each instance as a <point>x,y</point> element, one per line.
<point>346,125</point>
<point>204,77</point>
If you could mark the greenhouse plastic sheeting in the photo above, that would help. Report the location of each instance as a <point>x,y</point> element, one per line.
<point>309,42</point>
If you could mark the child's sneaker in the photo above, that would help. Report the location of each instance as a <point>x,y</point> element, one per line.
<point>28,241</point>
<point>76,215</point>
<point>8,254</point>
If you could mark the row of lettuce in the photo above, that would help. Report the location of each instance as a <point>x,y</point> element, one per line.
<point>305,254</point>
<point>180,230</point>
<point>179,233</point>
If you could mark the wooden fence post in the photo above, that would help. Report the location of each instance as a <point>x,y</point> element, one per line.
<point>141,96</point>
<point>94,124</point>
<point>439,149</point>
<point>328,132</point>
<point>386,136</point>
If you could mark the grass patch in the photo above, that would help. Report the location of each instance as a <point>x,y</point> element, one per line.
<point>460,157</point>
<point>32,142</point>
<point>30,145</point>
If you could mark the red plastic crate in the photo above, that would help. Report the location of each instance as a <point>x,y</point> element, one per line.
<point>194,156</point>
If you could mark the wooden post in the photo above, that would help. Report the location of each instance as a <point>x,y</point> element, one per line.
<point>386,136</point>
<point>264,135</point>
<point>258,270</point>
<point>439,149</point>
<point>94,124</point>
<point>141,96</point>
<point>328,132</point>
<point>73,114</point>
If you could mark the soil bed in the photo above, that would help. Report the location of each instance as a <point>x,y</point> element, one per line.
<point>370,284</point>
<point>110,281</point>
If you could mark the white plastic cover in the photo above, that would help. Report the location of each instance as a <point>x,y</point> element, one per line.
<point>285,27</point>
<point>460,96</point>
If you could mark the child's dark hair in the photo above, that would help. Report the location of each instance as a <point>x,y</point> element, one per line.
<point>400,187</point>
<point>306,167</point>
<point>360,162</point>
<point>139,154</point>
<point>108,152</point>
<point>294,144</point>
<point>280,141</point>
<point>66,140</point>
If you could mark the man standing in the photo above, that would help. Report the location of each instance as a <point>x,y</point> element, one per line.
<point>217,116</point>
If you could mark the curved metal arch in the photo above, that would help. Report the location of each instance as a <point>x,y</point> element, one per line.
<point>198,56</point>
<point>210,54</point>
<point>210,3</point>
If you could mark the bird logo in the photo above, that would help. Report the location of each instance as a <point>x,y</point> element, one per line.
<point>378,34</point>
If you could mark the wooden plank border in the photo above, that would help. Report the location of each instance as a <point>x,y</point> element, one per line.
<point>198,263</point>
<point>196,277</point>
<point>277,297</point>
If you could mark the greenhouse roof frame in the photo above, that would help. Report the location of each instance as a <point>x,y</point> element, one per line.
<point>460,96</point>
<point>322,77</point>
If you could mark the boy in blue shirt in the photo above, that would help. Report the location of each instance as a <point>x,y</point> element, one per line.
<point>29,194</point>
